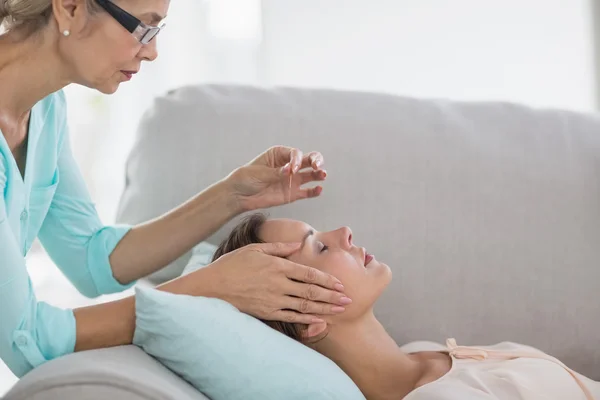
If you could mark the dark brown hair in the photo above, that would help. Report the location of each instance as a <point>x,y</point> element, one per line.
<point>245,233</point>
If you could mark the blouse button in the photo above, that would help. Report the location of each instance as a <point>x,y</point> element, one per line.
<point>21,341</point>
<point>24,215</point>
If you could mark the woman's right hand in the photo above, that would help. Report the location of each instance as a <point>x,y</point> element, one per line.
<point>258,281</point>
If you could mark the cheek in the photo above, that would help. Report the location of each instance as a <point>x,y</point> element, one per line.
<point>344,267</point>
<point>119,48</point>
<point>104,61</point>
<point>121,56</point>
<point>363,286</point>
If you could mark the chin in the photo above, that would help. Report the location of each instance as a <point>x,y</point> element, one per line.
<point>104,88</point>
<point>388,271</point>
<point>108,88</point>
<point>384,277</point>
<point>382,271</point>
<point>377,285</point>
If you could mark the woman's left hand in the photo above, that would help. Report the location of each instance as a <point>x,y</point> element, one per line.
<point>265,181</point>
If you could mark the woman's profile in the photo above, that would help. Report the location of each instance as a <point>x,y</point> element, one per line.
<point>360,345</point>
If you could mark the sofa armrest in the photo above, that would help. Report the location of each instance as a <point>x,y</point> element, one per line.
<point>120,373</point>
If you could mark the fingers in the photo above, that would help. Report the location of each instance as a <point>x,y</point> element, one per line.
<point>314,160</point>
<point>308,193</point>
<point>302,273</point>
<point>276,249</point>
<point>281,155</point>
<point>311,176</point>
<point>303,178</point>
<point>296,159</point>
<point>305,306</point>
<point>285,170</point>
<point>295,317</point>
<point>310,298</point>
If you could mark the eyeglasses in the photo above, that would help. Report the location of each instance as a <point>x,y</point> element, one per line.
<point>142,32</point>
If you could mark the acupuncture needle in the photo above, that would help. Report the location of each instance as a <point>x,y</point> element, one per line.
<point>290,189</point>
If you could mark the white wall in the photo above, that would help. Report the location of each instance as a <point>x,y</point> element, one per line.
<point>537,52</point>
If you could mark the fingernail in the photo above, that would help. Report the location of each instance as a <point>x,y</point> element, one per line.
<point>285,168</point>
<point>317,321</point>
<point>339,287</point>
<point>319,163</point>
<point>338,310</point>
<point>345,301</point>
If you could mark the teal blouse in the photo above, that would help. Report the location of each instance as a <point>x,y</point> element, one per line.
<point>51,203</point>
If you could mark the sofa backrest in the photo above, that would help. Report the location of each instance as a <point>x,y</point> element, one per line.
<point>488,213</point>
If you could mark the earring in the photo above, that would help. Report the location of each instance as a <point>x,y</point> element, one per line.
<point>66,32</point>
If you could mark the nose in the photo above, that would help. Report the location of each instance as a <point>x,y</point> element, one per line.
<point>345,237</point>
<point>149,52</point>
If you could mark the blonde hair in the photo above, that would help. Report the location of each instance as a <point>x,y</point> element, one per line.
<point>32,14</point>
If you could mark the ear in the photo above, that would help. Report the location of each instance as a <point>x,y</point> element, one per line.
<point>314,331</point>
<point>65,12</point>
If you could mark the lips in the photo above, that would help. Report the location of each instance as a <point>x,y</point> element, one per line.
<point>129,74</point>
<point>367,257</point>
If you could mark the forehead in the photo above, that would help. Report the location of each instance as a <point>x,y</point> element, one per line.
<point>283,230</point>
<point>145,7</point>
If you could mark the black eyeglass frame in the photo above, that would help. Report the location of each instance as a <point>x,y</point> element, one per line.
<point>142,32</point>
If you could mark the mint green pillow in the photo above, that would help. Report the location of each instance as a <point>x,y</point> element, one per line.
<point>228,355</point>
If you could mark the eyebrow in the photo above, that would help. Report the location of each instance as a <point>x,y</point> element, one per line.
<point>306,236</point>
<point>155,17</point>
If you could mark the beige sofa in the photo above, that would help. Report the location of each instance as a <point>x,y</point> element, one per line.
<point>488,214</point>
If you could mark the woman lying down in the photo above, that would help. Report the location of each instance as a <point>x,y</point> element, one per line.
<point>359,344</point>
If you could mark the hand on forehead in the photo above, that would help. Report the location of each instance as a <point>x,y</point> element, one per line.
<point>284,231</point>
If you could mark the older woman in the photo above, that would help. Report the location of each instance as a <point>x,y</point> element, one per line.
<point>46,45</point>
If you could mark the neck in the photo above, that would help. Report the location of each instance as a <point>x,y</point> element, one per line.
<point>371,358</point>
<point>30,69</point>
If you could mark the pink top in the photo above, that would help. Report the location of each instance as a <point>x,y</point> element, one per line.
<point>504,371</point>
